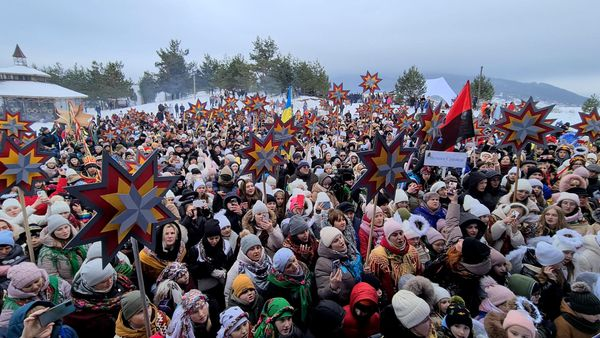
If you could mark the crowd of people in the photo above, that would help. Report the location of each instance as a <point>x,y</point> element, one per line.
<point>491,250</point>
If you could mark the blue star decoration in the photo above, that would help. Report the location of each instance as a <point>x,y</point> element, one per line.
<point>21,165</point>
<point>128,206</point>
<point>384,164</point>
<point>263,155</point>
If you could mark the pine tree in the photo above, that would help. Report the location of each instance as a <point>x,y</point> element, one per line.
<point>487,88</point>
<point>591,103</point>
<point>148,87</point>
<point>410,85</point>
<point>174,73</point>
<point>236,75</point>
<point>263,55</point>
<point>207,73</point>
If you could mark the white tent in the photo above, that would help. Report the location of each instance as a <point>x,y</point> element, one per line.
<point>439,87</point>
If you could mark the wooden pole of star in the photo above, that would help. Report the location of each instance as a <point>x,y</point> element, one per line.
<point>514,197</point>
<point>371,229</point>
<point>140,278</point>
<point>26,225</point>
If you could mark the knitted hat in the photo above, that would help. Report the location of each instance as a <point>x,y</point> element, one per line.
<point>369,212</point>
<point>25,273</point>
<point>582,171</point>
<point>199,184</point>
<point>456,314</point>
<point>169,194</point>
<point>281,258</point>
<point>567,196</point>
<point>329,234</point>
<point>434,236</point>
<point>55,222</point>
<point>430,195</point>
<point>582,300</point>
<point>495,293</point>
<point>297,225</point>
<point>567,240</point>
<point>547,254</point>
<point>231,319</point>
<point>522,184</point>
<point>131,303</point>
<point>536,183</point>
<point>521,285</point>
<point>10,202</point>
<point>497,257</point>
<point>222,219</point>
<point>404,214</point>
<point>248,242</point>
<point>259,208</point>
<point>519,318</point>
<point>296,201</point>
<point>6,238</point>
<point>211,228</point>
<point>59,207</point>
<point>241,284</point>
<point>409,309</point>
<point>439,293</point>
<point>479,210</point>
<point>474,252</point>
<point>303,164</point>
<point>346,207</point>
<point>322,197</point>
<point>437,186</point>
<point>390,226</point>
<point>92,272</point>
<point>400,196</point>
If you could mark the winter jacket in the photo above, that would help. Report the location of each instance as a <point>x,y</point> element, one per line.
<point>587,257</point>
<point>431,216</point>
<point>257,271</point>
<point>57,260</point>
<point>504,239</point>
<point>531,205</point>
<point>570,326</point>
<point>271,241</point>
<point>14,257</point>
<point>16,323</point>
<point>323,269</point>
<point>353,328</point>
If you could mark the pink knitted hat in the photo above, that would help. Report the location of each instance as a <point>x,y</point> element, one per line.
<point>519,318</point>
<point>25,273</point>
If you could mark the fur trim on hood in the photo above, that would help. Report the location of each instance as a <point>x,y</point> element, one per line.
<point>417,224</point>
<point>423,288</point>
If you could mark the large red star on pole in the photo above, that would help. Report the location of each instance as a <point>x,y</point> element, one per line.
<point>589,125</point>
<point>338,94</point>
<point>256,104</point>
<point>263,155</point>
<point>198,110</point>
<point>431,122</point>
<point>285,133</point>
<point>20,165</point>
<point>370,82</point>
<point>231,103</point>
<point>14,126</point>
<point>384,164</point>
<point>311,126</point>
<point>527,125</point>
<point>128,206</point>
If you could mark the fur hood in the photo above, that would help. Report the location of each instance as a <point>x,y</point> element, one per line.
<point>248,222</point>
<point>493,325</point>
<point>417,224</point>
<point>423,288</point>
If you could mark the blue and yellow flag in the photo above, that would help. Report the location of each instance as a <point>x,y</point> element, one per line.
<point>287,113</point>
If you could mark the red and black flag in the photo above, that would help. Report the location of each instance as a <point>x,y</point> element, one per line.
<point>459,122</point>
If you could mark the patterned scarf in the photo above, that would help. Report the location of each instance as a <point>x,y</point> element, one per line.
<point>257,271</point>
<point>99,303</point>
<point>377,232</point>
<point>298,286</point>
<point>181,323</point>
<point>310,257</point>
<point>274,309</point>
<point>73,256</point>
<point>173,271</point>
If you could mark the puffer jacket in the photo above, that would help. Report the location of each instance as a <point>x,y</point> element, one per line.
<point>588,256</point>
<point>57,260</point>
<point>364,293</point>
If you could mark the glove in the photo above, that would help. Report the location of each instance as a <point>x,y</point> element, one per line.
<point>219,274</point>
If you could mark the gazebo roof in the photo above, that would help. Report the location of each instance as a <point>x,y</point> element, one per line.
<point>22,70</point>
<point>31,89</point>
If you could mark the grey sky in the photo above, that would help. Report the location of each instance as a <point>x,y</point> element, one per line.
<point>547,41</point>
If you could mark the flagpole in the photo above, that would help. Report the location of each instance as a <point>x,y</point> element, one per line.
<point>26,225</point>
<point>140,278</point>
<point>371,229</point>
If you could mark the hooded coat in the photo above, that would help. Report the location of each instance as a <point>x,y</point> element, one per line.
<point>351,270</point>
<point>353,327</point>
<point>587,257</point>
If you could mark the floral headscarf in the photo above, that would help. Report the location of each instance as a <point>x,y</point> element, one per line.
<point>181,324</point>
<point>273,309</point>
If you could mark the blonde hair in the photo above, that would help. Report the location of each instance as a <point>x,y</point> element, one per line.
<point>177,233</point>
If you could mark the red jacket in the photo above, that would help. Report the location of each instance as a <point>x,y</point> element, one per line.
<point>364,293</point>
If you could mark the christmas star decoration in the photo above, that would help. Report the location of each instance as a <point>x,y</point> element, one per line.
<point>231,103</point>
<point>109,135</point>
<point>198,110</point>
<point>338,94</point>
<point>431,121</point>
<point>589,125</point>
<point>527,125</point>
<point>14,126</point>
<point>74,116</point>
<point>219,114</point>
<point>310,126</point>
<point>370,82</point>
<point>129,206</point>
<point>405,122</point>
<point>258,104</point>
<point>133,166</point>
<point>263,155</point>
<point>20,165</point>
<point>285,133</point>
<point>373,105</point>
<point>384,165</point>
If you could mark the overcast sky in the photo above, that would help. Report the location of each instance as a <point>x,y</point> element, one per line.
<point>551,41</point>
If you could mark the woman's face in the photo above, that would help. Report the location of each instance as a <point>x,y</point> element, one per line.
<point>433,203</point>
<point>522,195</point>
<point>551,217</point>
<point>248,296</point>
<point>339,244</point>
<point>272,206</point>
<point>226,231</point>
<point>4,225</point>
<point>213,240</point>
<point>235,167</point>
<point>169,236</point>
<point>13,211</point>
<point>63,231</point>
<point>254,253</point>
<point>443,305</point>
<point>284,326</point>
<point>397,238</point>
<point>292,267</point>
<point>34,287</point>
<point>460,331</point>
<point>280,199</point>
<point>500,269</point>
<point>201,190</point>
<point>137,320</point>
<point>250,189</point>
<point>241,331</point>
<point>481,185</point>
<point>438,246</point>
<point>568,256</point>
<point>303,236</point>
<point>379,218</point>
<point>76,208</point>
<point>104,286</point>
<point>340,224</point>
<point>422,329</point>
<point>426,176</point>
<point>5,250</point>
<point>74,161</point>
<point>568,206</point>
<point>537,176</point>
<point>518,332</point>
<point>200,316</point>
<point>505,160</point>
<point>472,230</point>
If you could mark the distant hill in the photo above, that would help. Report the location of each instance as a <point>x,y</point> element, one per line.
<point>505,89</point>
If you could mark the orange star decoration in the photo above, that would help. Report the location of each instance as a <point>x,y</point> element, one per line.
<point>128,206</point>
<point>219,114</point>
<point>589,125</point>
<point>231,103</point>
<point>384,165</point>
<point>133,166</point>
<point>198,110</point>
<point>13,126</point>
<point>524,126</point>
<point>284,133</point>
<point>370,82</point>
<point>431,122</point>
<point>75,116</point>
<point>263,155</point>
<point>338,94</point>
<point>258,104</point>
<point>405,122</point>
<point>311,126</point>
<point>20,166</point>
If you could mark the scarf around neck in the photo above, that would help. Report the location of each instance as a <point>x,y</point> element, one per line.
<point>299,287</point>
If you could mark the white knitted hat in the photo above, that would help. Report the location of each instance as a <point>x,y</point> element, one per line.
<point>409,309</point>
<point>548,255</point>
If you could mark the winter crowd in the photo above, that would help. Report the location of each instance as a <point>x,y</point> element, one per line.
<point>489,250</point>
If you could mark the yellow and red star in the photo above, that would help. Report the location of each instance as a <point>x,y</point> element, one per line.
<point>285,133</point>
<point>128,206</point>
<point>198,110</point>
<point>21,165</point>
<point>263,155</point>
<point>338,94</point>
<point>310,126</point>
<point>431,121</point>
<point>370,82</point>
<point>589,125</point>
<point>14,126</point>
<point>527,125</point>
<point>231,103</point>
